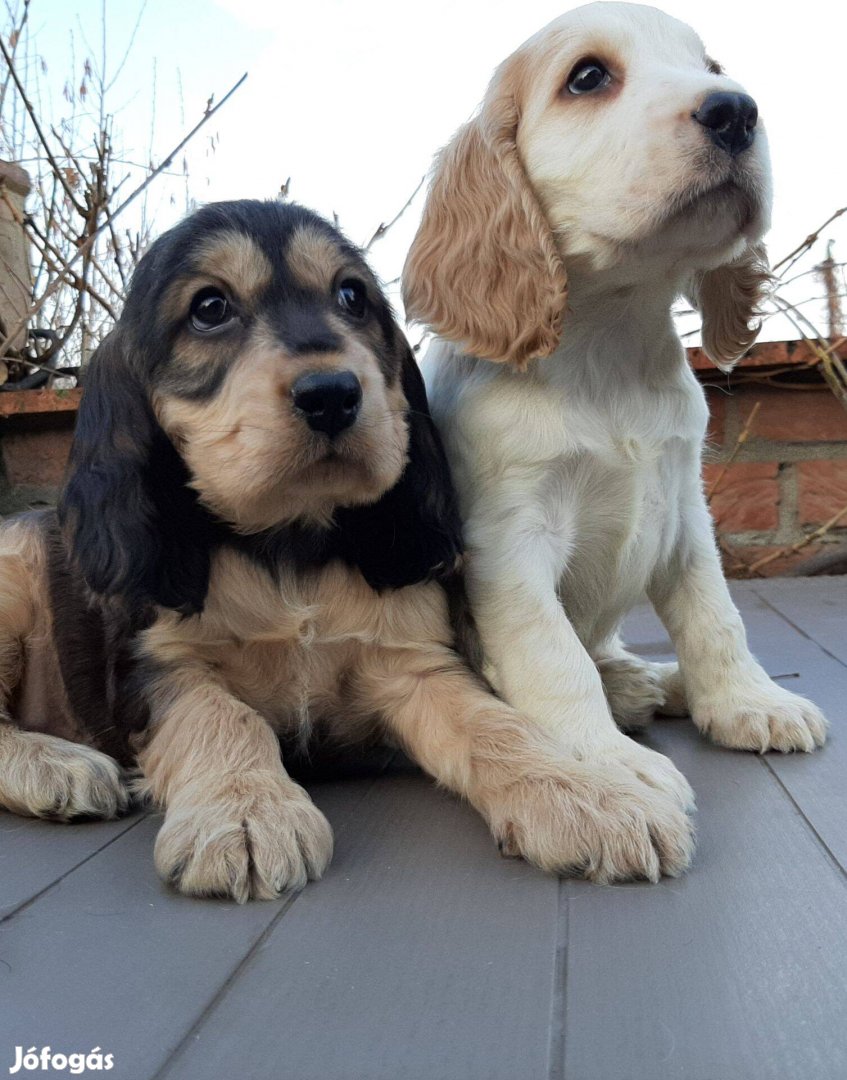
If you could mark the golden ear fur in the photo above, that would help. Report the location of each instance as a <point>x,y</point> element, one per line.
<point>729,298</point>
<point>483,270</point>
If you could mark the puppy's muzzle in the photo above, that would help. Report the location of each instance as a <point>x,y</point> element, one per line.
<point>329,401</point>
<point>730,121</point>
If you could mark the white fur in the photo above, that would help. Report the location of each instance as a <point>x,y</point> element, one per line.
<point>580,479</point>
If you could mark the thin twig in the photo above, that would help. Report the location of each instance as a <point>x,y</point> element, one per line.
<point>811,239</point>
<point>42,138</point>
<point>86,244</point>
<point>383,228</point>
<point>790,549</point>
<point>128,49</point>
<point>117,250</point>
<point>16,35</point>
<point>50,253</point>
<point>831,365</point>
<point>78,282</point>
<point>739,442</point>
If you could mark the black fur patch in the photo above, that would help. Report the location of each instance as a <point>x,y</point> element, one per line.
<point>135,527</point>
<point>413,533</point>
<point>93,643</point>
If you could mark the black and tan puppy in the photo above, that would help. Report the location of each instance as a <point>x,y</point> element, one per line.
<point>256,537</point>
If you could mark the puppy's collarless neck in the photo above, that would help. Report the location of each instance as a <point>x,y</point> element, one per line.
<point>622,332</point>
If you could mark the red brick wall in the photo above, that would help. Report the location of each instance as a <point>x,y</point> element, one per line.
<point>790,476</point>
<point>36,428</point>
<point>788,479</point>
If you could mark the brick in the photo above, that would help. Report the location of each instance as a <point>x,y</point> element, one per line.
<point>822,490</point>
<point>800,416</point>
<point>739,558</point>
<point>35,458</point>
<point>747,497</point>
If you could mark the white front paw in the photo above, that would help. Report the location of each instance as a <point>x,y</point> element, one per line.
<point>761,718</point>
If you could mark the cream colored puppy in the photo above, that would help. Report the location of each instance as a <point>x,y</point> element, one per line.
<point>612,167</point>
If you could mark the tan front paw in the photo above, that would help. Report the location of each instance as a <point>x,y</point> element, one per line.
<point>762,719</point>
<point>617,816</point>
<point>253,842</point>
<point>47,777</point>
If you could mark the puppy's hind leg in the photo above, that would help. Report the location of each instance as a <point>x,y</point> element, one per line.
<point>638,689</point>
<point>42,775</point>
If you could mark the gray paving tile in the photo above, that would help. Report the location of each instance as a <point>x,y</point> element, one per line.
<point>738,971</point>
<point>109,957</point>
<point>817,606</point>
<point>34,854</point>
<point>422,956</point>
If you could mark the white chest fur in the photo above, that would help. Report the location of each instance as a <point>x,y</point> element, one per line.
<point>596,448</point>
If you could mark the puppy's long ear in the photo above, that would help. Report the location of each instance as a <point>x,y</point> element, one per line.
<point>484,270</point>
<point>134,527</point>
<point>729,298</point>
<point>413,533</point>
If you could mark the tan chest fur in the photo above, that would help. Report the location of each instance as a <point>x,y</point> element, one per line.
<point>288,647</point>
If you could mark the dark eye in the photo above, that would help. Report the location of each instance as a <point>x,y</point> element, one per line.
<point>210,310</point>
<point>352,296</point>
<point>588,76</point>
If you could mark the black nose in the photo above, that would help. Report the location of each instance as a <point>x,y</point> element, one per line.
<point>329,400</point>
<point>730,120</point>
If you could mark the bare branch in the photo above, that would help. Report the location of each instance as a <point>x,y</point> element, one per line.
<point>17,32</point>
<point>86,244</point>
<point>128,49</point>
<point>744,435</point>
<point>754,567</point>
<point>34,118</point>
<point>383,228</point>
<point>811,239</point>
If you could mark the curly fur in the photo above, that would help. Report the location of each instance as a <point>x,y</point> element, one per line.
<point>484,268</point>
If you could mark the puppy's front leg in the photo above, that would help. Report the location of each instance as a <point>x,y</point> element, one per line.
<point>537,662</point>
<point>590,817</point>
<point>235,825</point>
<point>532,652</point>
<point>518,556</point>
<point>729,694</point>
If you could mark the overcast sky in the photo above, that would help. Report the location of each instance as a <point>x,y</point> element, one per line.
<point>351,99</point>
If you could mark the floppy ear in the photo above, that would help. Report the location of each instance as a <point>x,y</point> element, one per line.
<point>134,528</point>
<point>413,533</point>
<point>484,270</point>
<point>729,298</point>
